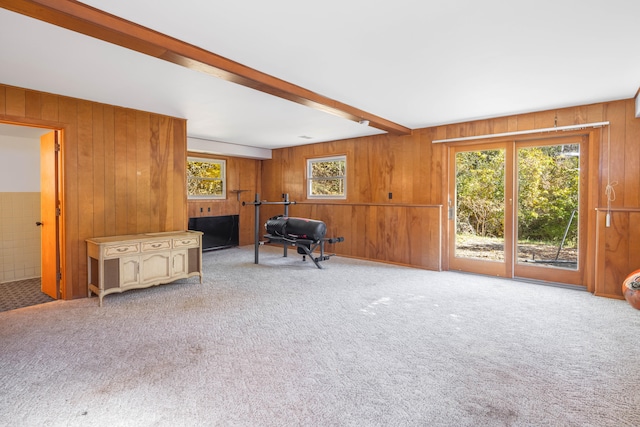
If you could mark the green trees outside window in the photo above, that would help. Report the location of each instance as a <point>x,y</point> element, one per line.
<point>548,179</point>
<point>327,177</point>
<point>206,178</point>
<point>547,192</point>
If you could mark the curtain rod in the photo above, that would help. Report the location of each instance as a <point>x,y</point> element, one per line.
<point>522,132</point>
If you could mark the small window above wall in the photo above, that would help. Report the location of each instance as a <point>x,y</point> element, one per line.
<point>327,178</point>
<point>206,178</point>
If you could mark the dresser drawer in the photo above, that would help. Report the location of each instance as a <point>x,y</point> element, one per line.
<point>156,245</point>
<point>120,249</point>
<point>186,242</point>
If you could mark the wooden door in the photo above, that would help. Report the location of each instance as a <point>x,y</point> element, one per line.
<point>557,253</point>
<point>49,214</point>
<point>502,195</point>
<point>480,185</point>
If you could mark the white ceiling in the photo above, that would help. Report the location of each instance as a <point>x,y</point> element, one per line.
<point>417,63</point>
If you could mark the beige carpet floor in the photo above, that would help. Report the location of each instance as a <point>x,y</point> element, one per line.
<point>358,343</point>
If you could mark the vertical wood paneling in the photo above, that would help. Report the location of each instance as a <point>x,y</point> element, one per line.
<point>595,142</point>
<point>616,114</point>
<point>69,118</point>
<point>3,100</point>
<point>631,194</point>
<point>620,251</point>
<point>33,104</point>
<point>248,175</point>
<point>374,226</point>
<point>15,102</point>
<point>415,171</point>
<point>416,245</point>
<point>437,173</point>
<point>99,171</point>
<point>143,178</point>
<point>525,122</point>
<point>407,165</point>
<point>595,113</point>
<point>158,174</point>
<point>616,258</point>
<point>398,234</point>
<point>421,168</point>
<point>108,144</point>
<point>544,119</point>
<point>634,242</point>
<point>179,156</point>
<point>49,107</point>
<point>101,146</point>
<point>85,177</point>
<point>121,172</point>
<point>131,189</point>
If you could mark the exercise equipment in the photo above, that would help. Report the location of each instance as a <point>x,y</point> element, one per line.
<point>306,235</point>
<point>631,289</point>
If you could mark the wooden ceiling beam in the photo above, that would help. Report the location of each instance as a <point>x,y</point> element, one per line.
<point>87,20</point>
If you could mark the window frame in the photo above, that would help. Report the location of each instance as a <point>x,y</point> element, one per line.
<point>223,178</point>
<point>310,179</point>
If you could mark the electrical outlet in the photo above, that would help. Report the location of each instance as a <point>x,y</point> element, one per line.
<point>390,196</point>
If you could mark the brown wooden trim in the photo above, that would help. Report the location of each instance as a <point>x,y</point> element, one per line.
<point>605,295</point>
<point>618,209</point>
<point>84,19</point>
<point>206,155</point>
<point>399,264</point>
<point>593,153</point>
<point>393,205</point>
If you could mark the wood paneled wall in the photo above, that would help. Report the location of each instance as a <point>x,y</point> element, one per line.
<point>123,171</point>
<point>405,229</point>
<point>399,234</point>
<point>243,182</point>
<point>617,250</point>
<point>414,170</point>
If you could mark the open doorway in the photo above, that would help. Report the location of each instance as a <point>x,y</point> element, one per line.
<point>24,245</point>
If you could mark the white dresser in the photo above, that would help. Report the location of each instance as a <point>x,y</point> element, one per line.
<point>120,263</point>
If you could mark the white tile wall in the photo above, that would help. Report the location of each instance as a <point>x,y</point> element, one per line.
<point>19,236</point>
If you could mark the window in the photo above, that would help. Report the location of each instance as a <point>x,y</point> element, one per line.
<point>327,177</point>
<point>206,178</point>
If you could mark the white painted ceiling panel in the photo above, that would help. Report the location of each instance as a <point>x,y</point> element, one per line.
<point>417,63</point>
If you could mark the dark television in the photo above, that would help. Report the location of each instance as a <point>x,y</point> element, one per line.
<point>219,231</point>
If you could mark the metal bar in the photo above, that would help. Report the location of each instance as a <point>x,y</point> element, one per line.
<point>257,229</point>
<point>522,132</point>
<point>285,196</point>
<point>566,231</point>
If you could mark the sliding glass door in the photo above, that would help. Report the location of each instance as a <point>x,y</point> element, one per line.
<point>480,236</point>
<point>516,208</point>
<point>551,179</point>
